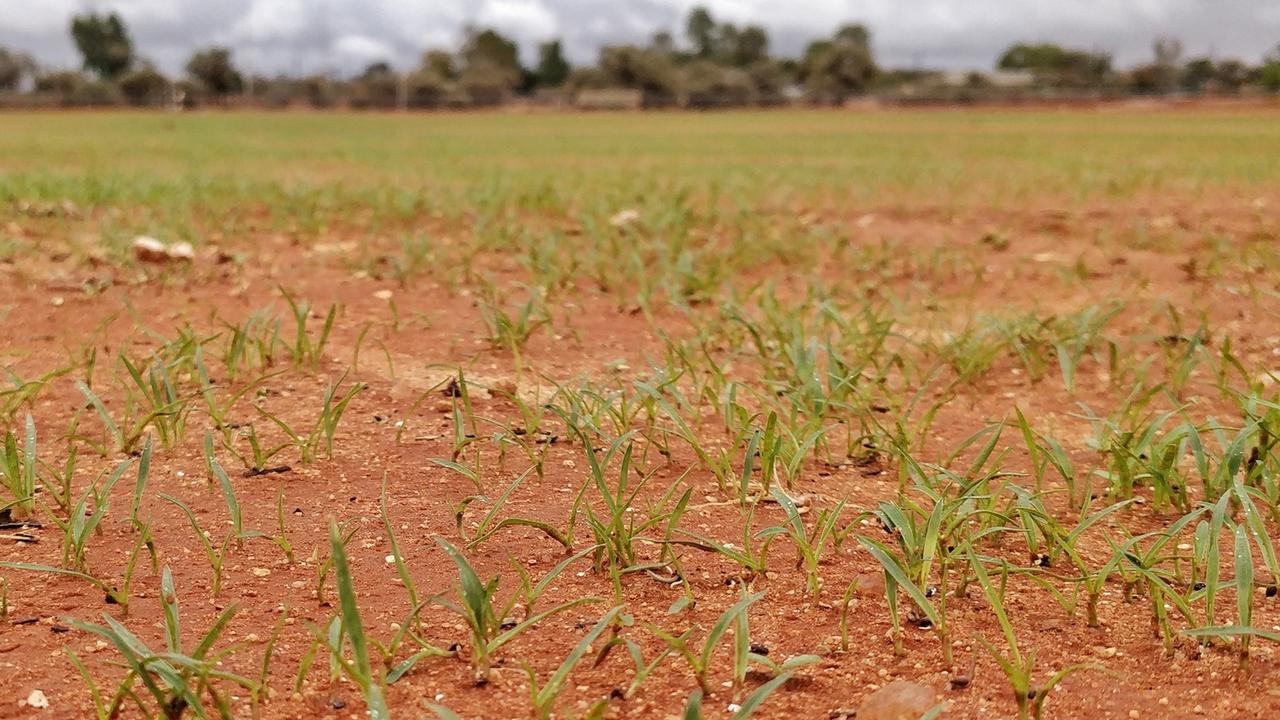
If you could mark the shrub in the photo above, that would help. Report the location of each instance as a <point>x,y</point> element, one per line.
<point>145,87</point>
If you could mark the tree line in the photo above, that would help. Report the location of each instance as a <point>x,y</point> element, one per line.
<point>714,64</point>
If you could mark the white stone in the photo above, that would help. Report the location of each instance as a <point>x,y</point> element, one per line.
<point>37,700</point>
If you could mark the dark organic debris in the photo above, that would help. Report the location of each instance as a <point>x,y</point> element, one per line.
<point>255,471</point>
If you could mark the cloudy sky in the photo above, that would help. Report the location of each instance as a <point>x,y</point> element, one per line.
<point>341,36</point>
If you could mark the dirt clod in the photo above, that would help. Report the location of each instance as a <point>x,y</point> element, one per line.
<point>899,700</point>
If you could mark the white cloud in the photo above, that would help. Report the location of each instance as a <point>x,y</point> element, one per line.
<point>275,20</point>
<point>530,18</point>
<point>362,49</point>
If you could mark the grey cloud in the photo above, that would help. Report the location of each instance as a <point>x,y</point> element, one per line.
<point>341,36</point>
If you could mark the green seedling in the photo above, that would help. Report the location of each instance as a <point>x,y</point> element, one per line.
<point>617,531</point>
<point>1062,542</point>
<point>163,407</point>
<point>306,351</point>
<point>281,538</point>
<point>543,696</point>
<point>251,345</point>
<point>320,437</point>
<point>114,596</point>
<point>214,553</point>
<point>323,568</point>
<point>699,658</point>
<point>260,456</point>
<point>1143,566</point>
<point>809,544</point>
<point>113,430</point>
<point>530,591</point>
<point>216,472</point>
<point>477,606</point>
<point>18,470</point>
<point>262,688</point>
<point>103,708</point>
<point>176,680</point>
<point>357,668</point>
<point>220,410</point>
<point>512,331</point>
<point>489,524</point>
<point>57,481</point>
<point>643,669</point>
<point>85,517</point>
<point>752,555</point>
<point>1016,665</point>
<point>693,707</point>
<point>140,487</point>
<point>895,577</point>
<point>23,393</point>
<point>390,650</point>
<point>1045,452</point>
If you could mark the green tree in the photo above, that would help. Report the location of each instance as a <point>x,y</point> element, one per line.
<point>663,42</point>
<point>485,84</point>
<point>1057,66</point>
<point>552,69</point>
<point>441,63</point>
<point>425,89</point>
<point>71,88</point>
<point>214,70</point>
<point>708,84</point>
<point>103,42</point>
<point>1168,55</point>
<point>377,87</point>
<point>1036,57</point>
<point>833,70</point>
<point>144,86</point>
<point>497,55</point>
<point>1269,77</point>
<point>1230,75</point>
<point>318,91</point>
<point>769,78</point>
<point>725,43</point>
<point>14,66</point>
<point>1269,72</point>
<point>650,71</point>
<point>700,29</point>
<point>491,67</point>
<point>429,86</point>
<point>64,82</point>
<point>1197,74</point>
<point>751,45</point>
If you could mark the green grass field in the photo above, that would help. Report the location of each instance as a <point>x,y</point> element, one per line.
<point>744,412</point>
<point>392,165</point>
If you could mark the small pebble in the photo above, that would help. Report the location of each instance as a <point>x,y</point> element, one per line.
<point>37,700</point>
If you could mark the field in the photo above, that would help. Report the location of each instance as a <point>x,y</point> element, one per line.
<point>744,414</point>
